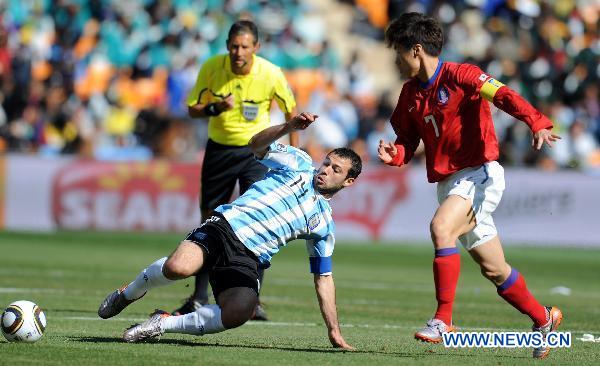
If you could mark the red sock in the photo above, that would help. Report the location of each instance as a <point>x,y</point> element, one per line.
<point>514,291</point>
<point>446,268</point>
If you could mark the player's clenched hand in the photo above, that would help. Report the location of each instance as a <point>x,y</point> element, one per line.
<point>302,120</point>
<point>543,135</point>
<point>386,151</point>
<point>337,341</point>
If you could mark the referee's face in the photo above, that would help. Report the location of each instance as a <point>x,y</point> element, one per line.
<point>241,48</point>
<point>332,175</point>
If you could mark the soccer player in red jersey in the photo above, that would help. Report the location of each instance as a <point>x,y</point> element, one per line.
<point>445,104</point>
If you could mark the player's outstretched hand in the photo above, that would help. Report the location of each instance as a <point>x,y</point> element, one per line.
<point>386,151</point>
<point>302,120</point>
<point>337,341</point>
<point>544,135</point>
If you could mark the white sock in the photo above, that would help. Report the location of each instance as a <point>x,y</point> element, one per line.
<point>149,278</point>
<point>206,320</point>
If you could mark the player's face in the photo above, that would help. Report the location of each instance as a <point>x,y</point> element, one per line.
<point>241,48</point>
<point>408,62</point>
<point>332,175</point>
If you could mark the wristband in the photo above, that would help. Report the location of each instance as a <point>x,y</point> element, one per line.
<point>211,110</point>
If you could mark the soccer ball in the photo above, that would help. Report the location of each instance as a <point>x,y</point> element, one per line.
<point>23,321</point>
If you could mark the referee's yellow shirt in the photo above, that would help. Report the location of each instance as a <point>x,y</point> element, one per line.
<point>252,93</point>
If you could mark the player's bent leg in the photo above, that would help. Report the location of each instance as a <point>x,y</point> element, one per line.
<point>200,295</point>
<point>490,257</point>
<point>452,218</point>
<point>151,277</point>
<point>207,319</point>
<point>511,286</point>
<point>237,306</point>
<point>185,261</point>
<point>510,283</point>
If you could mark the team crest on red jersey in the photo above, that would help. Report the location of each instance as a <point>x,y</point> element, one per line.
<point>443,95</point>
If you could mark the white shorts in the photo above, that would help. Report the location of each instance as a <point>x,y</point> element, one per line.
<point>483,186</point>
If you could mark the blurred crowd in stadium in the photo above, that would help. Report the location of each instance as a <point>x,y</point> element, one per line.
<point>108,79</point>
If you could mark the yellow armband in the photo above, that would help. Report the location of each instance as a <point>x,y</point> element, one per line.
<point>489,89</point>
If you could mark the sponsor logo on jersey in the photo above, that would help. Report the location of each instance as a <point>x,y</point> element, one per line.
<point>314,221</point>
<point>280,147</point>
<point>495,82</point>
<point>443,95</point>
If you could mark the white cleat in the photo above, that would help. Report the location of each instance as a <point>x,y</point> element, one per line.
<point>149,329</point>
<point>432,332</point>
<point>554,316</point>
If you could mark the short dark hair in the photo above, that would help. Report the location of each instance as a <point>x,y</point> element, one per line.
<point>412,28</point>
<point>243,27</point>
<point>355,160</point>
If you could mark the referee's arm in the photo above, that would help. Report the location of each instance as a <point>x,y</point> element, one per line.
<point>200,110</point>
<point>197,111</point>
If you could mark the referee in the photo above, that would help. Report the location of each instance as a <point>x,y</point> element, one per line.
<point>235,91</point>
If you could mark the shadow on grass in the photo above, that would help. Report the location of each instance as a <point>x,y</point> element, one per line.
<point>186,343</point>
<point>182,342</point>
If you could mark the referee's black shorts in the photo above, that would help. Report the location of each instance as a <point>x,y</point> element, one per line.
<point>228,262</point>
<point>223,166</point>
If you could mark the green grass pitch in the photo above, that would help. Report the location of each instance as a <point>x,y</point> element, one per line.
<point>384,293</point>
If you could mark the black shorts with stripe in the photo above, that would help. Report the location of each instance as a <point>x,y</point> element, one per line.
<point>222,167</point>
<point>228,262</point>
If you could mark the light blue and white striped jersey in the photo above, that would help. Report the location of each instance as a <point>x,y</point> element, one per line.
<point>284,206</point>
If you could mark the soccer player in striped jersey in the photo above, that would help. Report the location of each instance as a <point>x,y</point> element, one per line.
<point>445,105</point>
<point>235,92</point>
<point>291,202</point>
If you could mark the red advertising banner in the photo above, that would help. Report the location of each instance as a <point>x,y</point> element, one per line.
<point>370,201</point>
<point>146,196</point>
<point>163,196</point>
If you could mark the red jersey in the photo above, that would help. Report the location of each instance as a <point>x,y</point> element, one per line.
<point>454,120</point>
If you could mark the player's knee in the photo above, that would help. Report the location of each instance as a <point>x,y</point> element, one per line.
<point>441,231</point>
<point>234,320</point>
<point>237,306</point>
<point>234,315</point>
<point>175,269</point>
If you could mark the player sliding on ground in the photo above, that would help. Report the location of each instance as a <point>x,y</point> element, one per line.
<point>291,202</point>
<point>445,104</point>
